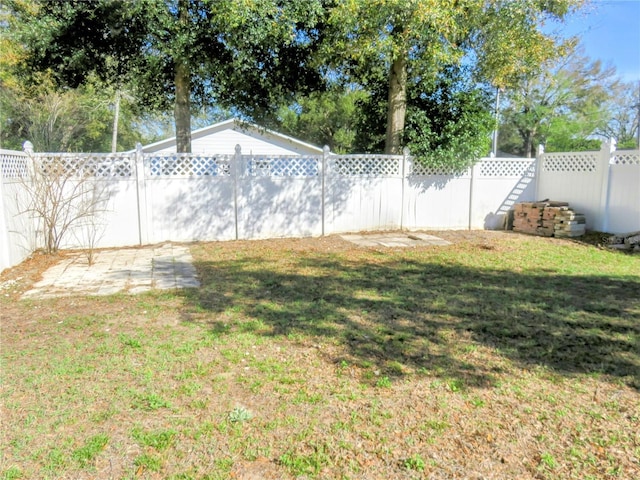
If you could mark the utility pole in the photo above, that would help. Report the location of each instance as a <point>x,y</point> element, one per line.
<point>116,116</point>
<point>494,142</point>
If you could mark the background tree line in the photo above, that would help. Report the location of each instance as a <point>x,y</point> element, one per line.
<point>358,75</point>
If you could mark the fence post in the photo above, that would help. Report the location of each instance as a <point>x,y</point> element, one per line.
<point>141,196</point>
<point>237,166</point>
<point>323,171</point>
<point>538,169</point>
<point>474,174</point>
<point>606,152</point>
<point>405,173</point>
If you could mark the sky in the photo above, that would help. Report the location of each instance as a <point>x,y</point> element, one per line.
<point>610,31</point>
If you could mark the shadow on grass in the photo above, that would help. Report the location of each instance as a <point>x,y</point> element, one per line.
<point>398,314</point>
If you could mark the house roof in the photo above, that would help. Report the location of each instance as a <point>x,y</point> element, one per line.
<point>254,130</point>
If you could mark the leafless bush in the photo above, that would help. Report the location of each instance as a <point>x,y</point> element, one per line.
<point>63,193</point>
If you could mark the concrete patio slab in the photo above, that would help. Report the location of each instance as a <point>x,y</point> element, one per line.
<point>394,240</point>
<point>129,270</point>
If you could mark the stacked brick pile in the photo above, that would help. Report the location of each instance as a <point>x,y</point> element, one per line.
<point>569,224</point>
<point>548,219</point>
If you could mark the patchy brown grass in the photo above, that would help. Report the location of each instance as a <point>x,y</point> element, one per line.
<point>501,356</point>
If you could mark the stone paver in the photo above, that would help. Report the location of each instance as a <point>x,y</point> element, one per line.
<point>394,239</point>
<point>131,270</point>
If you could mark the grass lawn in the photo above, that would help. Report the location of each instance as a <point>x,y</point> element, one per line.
<point>500,356</point>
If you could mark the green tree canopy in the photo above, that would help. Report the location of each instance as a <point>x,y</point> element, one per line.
<point>409,41</point>
<point>249,55</point>
<point>324,118</point>
<point>624,115</point>
<point>561,107</point>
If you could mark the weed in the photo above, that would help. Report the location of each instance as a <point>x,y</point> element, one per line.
<point>148,462</point>
<point>129,341</point>
<point>86,454</point>
<point>158,439</point>
<point>383,382</point>
<point>224,464</point>
<point>548,460</point>
<point>303,396</point>
<point>415,462</point>
<point>56,460</point>
<point>455,385</point>
<point>239,415</point>
<point>11,473</point>
<point>437,426</point>
<point>306,464</point>
<point>149,402</point>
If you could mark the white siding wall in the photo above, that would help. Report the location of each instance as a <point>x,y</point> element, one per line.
<point>225,141</point>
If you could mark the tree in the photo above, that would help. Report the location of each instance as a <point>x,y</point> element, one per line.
<point>561,107</point>
<point>249,55</point>
<point>450,123</point>
<point>324,118</point>
<point>62,120</point>
<point>624,108</point>
<point>417,38</point>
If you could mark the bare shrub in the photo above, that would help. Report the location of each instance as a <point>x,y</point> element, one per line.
<point>63,192</point>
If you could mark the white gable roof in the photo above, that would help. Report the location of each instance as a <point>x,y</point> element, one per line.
<point>222,138</point>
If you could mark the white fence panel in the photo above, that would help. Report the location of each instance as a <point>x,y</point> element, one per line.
<point>184,210</point>
<point>623,204</point>
<point>436,201</point>
<point>363,192</point>
<point>117,223</point>
<point>498,184</point>
<point>280,196</point>
<point>188,197</point>
<point>112,183</point>
<point>578,178</point>
<point>17,227</point>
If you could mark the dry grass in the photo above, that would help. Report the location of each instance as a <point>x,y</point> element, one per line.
<point>501,356</point>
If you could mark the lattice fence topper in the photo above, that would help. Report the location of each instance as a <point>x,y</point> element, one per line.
<point>621,157</point>
<point>188,164</point>
<point>507,167</point>
<point>419,169</point>
<point>570,162</point>
<point>116,165</point>
<point>13,164</point>
<point>367,165</point>
<point>283,165</point>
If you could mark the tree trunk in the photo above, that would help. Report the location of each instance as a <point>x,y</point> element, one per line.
<point>182,109</point>
<point>528,144</point>
<point>182,112</point>
<point>397,106</point>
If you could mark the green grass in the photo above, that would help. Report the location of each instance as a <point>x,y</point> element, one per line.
<point>86,454</point>
<point>511,357</point>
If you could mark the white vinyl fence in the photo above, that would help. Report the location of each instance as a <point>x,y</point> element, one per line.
<point>604,185</point>
<point>150,198</point>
